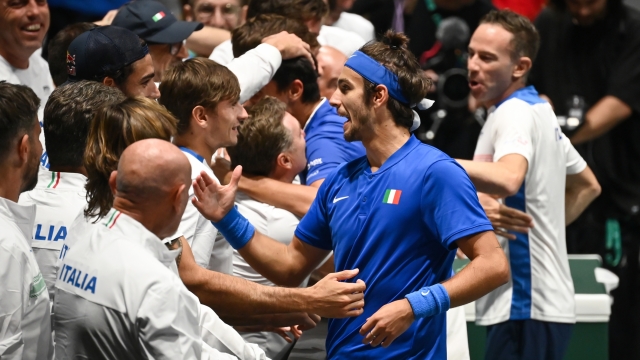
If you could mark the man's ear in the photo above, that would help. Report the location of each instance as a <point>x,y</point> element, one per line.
<point>522,67</point>
<point>23,148</point>
<point>284,161</point>
<point>380,96</point>
<point>186,12</point>
<point>295,90</point>
<point>177,198</point>
<point>112,182</point>
<point>199,115</point>
<point>109,82</point>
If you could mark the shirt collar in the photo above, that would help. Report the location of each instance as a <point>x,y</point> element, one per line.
<point>130,229</point>
<point>400,154</point>
<point>322,102</point>
<point>192,153</point>
<point>60,180</point>
<point>21,215</point>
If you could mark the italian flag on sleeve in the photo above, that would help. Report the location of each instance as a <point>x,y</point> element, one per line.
<point>392,196</point>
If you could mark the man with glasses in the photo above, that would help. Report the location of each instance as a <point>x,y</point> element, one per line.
<point>221,14</point>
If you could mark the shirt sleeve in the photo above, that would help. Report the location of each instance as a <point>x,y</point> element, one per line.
<point>255,69</point>
<point>200,234</point>
<point>575,163</point>
<point>13,299</point>
<point>450,206</point>
<point>324,154</point>
<point>168,322</point>
<point>314,227</point>
<point>223,53</point>
<point>512,130</point>
<point>624,81</point>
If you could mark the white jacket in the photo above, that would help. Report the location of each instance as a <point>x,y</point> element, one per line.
<point>118,296</point>
<point>58,198</point>
<point>25,318</point>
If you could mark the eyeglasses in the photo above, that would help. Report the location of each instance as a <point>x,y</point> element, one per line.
<point>206,10</point>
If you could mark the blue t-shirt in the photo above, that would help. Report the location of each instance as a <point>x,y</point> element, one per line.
<point>397,225</point>
<point>326,146</point>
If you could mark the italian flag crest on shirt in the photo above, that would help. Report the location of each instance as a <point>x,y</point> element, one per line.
<point>392,196</point>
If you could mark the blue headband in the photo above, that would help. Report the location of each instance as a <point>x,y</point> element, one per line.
<point>377,74</point>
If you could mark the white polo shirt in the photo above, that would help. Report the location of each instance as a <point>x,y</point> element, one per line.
<point>540,287</point>
<point>25,317</point>
<point>215,333</point>
<point>199,232</point>
<point>36,76</point>
<point>58,197</point>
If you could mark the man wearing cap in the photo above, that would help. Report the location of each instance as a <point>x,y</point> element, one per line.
<point>165,34</point>
<point>115,57</point>
<point>397,214</point>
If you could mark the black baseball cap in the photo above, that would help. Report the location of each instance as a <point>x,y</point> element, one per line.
<point>154,23</point>
<point>102,51</point>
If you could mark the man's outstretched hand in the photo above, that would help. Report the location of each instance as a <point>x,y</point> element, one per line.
<point>333,298</point>
<point>213,200</point>
<point>504,218</point>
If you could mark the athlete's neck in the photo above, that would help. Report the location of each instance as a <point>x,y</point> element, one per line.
<point>68,169</point>
<point>18,60</point>
<point>10,184</point>
<point>302,111</point>
<point>195,144</point>
<point>515,86</point>
<point>144,215</point>
<point>384,140</point>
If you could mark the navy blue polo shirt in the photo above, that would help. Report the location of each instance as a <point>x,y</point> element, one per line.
<point>326,146</point>
<point>397,225</point>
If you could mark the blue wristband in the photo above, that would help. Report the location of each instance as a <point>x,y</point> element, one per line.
<point>235,228</point>
<point>429,301</point>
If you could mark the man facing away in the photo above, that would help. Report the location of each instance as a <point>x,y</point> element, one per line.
<point>270,143</point>
<point>60,194</point>
<point>25,318</point>
<point>397,214</point>
<point>523,155</point>
<point>118,295</point>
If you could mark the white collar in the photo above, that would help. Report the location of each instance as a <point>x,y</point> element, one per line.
<point>60,180</point>
<point>21,215</point>
<point>128,228</point>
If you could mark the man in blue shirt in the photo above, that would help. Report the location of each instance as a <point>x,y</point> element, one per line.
<point>397,215</point>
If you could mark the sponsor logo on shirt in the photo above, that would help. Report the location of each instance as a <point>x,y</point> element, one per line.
<point>313,163</point>
<point>392,196</point>
<point>50,233</point>
<point>336,199</point>
<point>76,278</point>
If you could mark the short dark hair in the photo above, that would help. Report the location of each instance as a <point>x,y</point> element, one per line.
<point>261,138</point>
<point>392,52</point>
<point>304,10</point>
<point>298,69</point>
<point>194,82</point>
<point>57,50</point>
<point>68,115</point>
<point>526,40</point>
<point>250,34</point>
<point>18,111</point>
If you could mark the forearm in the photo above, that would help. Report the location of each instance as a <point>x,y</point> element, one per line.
<point>483,274</point>
<point>294,198</point>
<point>203,42</point>
<point>581,189</point>
<point>229,295</point>
<point>275,261</point>
<point>602,117</point>
<point>491,177</point>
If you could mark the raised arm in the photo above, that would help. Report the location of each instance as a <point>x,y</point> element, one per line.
<point>203,42</point>
<point>581,189</point>
<point>502,178</point>
<point>292,197</point>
